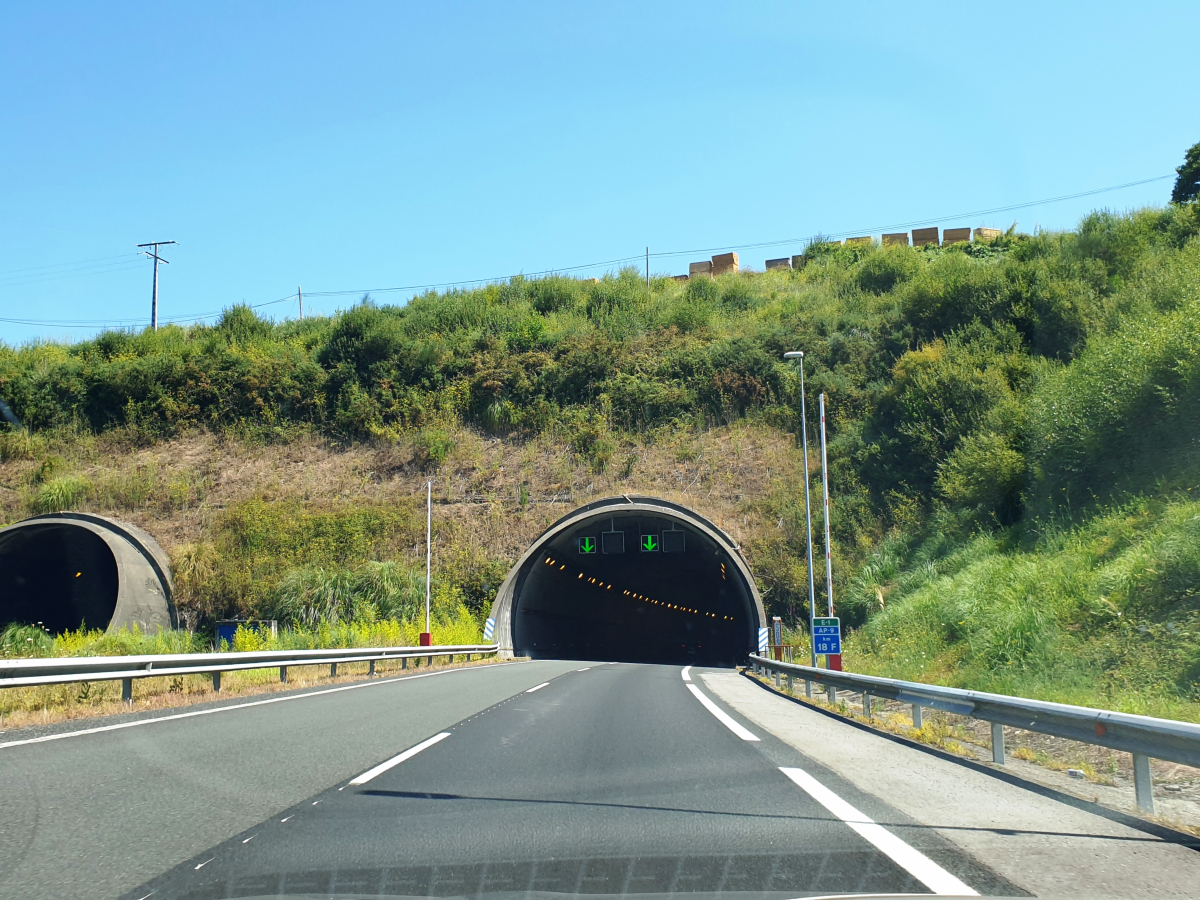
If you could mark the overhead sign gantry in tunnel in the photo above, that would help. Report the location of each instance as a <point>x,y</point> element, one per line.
<point>631,579</point>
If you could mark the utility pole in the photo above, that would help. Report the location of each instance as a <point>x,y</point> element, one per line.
<point>426,636</point>
<point>153,254</point>
<point>812,588</point>
<point>834,660</point>
<point>647,268</point>
<point>300,297</point>
<point>825,497</point>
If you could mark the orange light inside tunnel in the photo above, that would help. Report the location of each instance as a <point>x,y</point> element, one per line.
<point>634,594</point>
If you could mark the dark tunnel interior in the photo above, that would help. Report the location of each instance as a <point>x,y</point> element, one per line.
<point>62,576</point>
<point>633,588</point>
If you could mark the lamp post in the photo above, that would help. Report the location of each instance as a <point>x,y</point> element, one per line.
<point>812,591</point>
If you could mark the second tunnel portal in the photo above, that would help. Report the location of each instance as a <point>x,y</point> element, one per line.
<point>636,579</point>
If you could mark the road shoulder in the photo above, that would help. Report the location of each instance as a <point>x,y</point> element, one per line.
<point>1047,847</point>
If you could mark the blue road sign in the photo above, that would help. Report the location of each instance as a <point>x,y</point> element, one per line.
<point>827,636</point>
<point>762,640</point>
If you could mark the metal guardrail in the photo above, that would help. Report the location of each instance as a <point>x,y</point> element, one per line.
<point>60,670</point>
<point>1145,737</point>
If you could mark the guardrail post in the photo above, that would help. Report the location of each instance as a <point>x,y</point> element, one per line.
<point>333,670</point>
<point>998,743</point>
<point>1143,788</point>
<point>831,695</point>
<point>778,683</point>
<point>127,690</point>
<point>866,706</point>
<point>917,720</point>
<point>789,682</point>
<point>283,674</point>
<point>371,670</point>
<point>404,663</point>
<point>807,688</point>
<point>216,681</point>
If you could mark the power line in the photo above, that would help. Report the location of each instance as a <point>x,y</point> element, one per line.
<point>118,323</point>
<point>964,215</point>
<point>625,259</point>
<point>105,269</point>
<point>67,265</point>
<point>497,278</point>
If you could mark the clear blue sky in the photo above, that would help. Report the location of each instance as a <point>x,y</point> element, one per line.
<point>365,145</point>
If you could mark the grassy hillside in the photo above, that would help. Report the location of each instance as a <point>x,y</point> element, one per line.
<point>1013,445</point>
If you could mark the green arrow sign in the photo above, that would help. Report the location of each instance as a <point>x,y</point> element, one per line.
<point>649,543</point>
<point>587,545</point>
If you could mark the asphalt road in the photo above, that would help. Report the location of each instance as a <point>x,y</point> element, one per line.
<point>541,776</point>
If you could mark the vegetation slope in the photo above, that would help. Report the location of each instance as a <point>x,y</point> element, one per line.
<point>1013,453</point>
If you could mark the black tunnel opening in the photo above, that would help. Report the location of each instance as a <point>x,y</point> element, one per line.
<point>62,576</point>
<point>633,587</point>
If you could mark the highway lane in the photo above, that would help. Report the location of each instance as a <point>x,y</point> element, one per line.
<point>94,815</point>
<point>602,779</point>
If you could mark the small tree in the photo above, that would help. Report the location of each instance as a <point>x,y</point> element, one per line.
<point>1187,185</point>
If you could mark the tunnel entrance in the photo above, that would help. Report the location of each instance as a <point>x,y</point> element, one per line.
<point>631,579</point>
<point>60,577</point>
<point>70,570</point>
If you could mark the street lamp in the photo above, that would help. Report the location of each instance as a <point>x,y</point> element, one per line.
<point>812,591</point>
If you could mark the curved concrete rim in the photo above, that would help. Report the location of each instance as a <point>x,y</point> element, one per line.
<point>502,605</point>
<point>145,587</point>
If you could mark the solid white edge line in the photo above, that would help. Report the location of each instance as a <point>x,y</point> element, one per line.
<point>686,676</point>
<point>399,758</point>
<point>722,717</point>
<point>537,687</point>
<point>220,709</point>
<point>913,861</point>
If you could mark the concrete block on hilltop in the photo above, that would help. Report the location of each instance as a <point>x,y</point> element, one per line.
<point>956,235</point>
<point>987,234</point>
<point>858,240</point>
<point>724,263</point>
<point>590,280</point>
<point>784,263</point>
<point>901,239</point>
<point>679,277</point>
<point>923,236</point>
<point>798,261</point>
<point>700,268</point>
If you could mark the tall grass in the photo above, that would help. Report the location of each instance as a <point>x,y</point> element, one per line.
<point>1103,614</point>
<point>453,626</point>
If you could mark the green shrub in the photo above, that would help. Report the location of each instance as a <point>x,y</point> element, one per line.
<point>887,267</point>
<point>62,493</point>
<point>986,476</point>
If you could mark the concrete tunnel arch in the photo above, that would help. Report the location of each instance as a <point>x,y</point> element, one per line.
<point>71,569</point>
<point>630,578</point>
